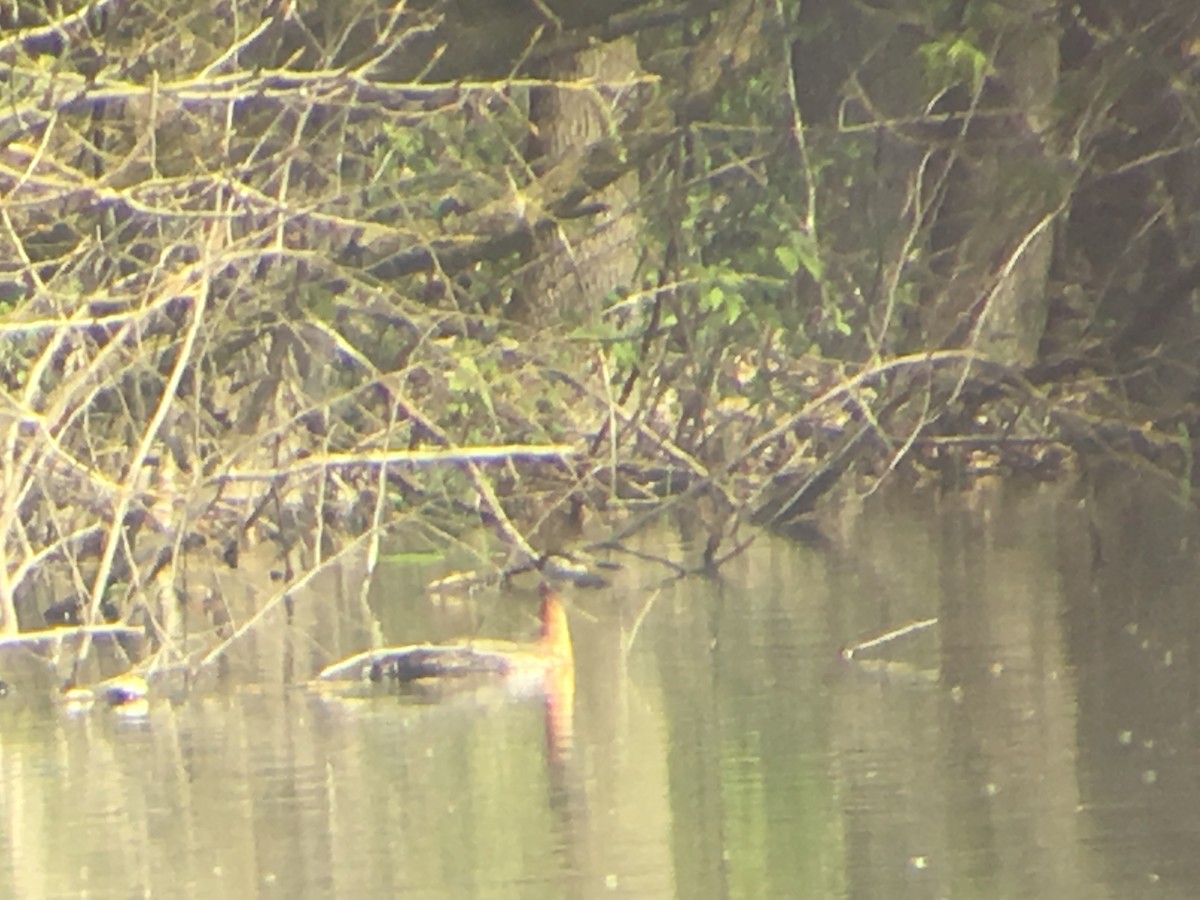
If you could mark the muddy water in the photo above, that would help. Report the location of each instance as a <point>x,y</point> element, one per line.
<point>1041,740</point>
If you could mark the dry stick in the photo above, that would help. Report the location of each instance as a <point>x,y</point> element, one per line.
<point>1001,278</point>
<point>35,560</point>
<point>466,455</point>
<point>507,529</point>
<point>329,87</point>
<point>737,550</point>
<point>903,451</point>
<point>11,494</point>
<point>887,278</point>
<point>664,561</point>
<point>444,454</point>
<point>236,48</point>
<point>850,652</point>
<point>609,430</point>
<point>145,580</point>
<point>285,172</point>
<point>805,412</point>
<point>919,210</point>
<point>58,634</point>
<point>75,394</point>
<point>612,426</point>
<point>199,297</point>
<point>871,425</point>
<point>267,608</point>
<point>641,617</point>
<point>36,158</point>
<point>58,30</point>
<point>797,129</point>
<point>636,421</point>
<point>838,391</point>
<point>482,486</point>
<point>78,582</point>
<point>381,487</point>
<point>22,466</point>
<point>390,41</point>
<point>321,499</point>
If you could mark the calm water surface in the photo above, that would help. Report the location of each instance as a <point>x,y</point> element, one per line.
<point>1039,741</point>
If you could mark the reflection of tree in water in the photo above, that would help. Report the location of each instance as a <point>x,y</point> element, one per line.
<point>966,781</point>
<point>1132,622</point>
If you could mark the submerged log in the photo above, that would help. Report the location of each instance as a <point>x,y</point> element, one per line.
<point>551,652</point>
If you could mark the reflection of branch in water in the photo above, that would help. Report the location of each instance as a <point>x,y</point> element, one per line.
<point>650,557</point>
<point>902,672</point>
<point>641,617</point>
<point>850,653</point>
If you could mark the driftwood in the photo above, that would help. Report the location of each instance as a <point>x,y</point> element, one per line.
<point>417,661</point>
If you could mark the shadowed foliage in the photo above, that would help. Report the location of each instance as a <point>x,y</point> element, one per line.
<point>308,277</point>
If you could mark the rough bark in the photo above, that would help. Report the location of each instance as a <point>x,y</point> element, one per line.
<point>576,264</point>
<point>1002,194</point>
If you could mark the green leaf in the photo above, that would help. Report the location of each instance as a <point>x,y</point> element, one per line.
<point>788,258</point>
<point>715,298</point>
<point>809,253</point>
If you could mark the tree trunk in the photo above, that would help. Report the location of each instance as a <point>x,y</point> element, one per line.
<point>577,264</point>
<point>1003,190</point>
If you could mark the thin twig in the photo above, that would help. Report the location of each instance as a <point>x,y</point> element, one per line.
<point>887,637</point>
